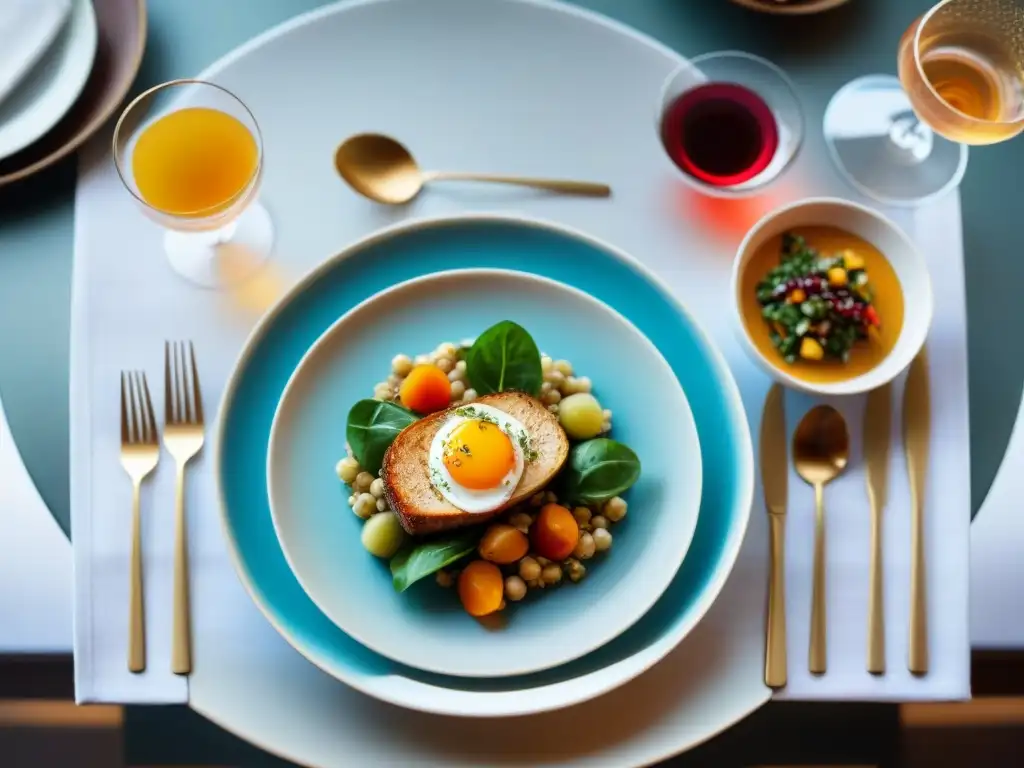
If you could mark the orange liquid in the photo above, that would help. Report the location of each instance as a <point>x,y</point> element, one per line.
<point>888,302</point>
<point>194,162</point>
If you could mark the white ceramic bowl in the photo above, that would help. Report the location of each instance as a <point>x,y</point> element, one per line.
<point>425,627</point>
<point>887,237</point>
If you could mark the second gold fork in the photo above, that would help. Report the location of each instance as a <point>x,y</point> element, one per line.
<point>183,438</point>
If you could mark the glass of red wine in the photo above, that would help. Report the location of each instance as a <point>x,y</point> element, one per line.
<point>730,122</point>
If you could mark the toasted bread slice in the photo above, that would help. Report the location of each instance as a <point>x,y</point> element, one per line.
<point>406,476</point>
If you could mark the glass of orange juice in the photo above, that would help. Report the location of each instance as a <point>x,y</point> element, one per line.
<point>190,152</point>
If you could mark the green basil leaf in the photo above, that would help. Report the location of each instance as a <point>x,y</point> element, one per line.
<point>372,426</point>
<point>504,357</point>
<point>419,560</point>
<point>597,470</point>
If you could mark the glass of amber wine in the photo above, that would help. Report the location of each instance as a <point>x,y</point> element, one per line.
<point>961,82</point>
<point>190,152</point>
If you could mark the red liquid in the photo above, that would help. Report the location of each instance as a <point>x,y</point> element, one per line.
<point>722,134</point>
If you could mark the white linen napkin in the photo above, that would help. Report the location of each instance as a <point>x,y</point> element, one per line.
<point>27,27</point>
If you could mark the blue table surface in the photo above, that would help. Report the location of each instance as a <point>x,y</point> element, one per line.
<point>820,52</point>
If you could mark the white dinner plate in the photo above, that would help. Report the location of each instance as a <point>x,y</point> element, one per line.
<point>49,89</point>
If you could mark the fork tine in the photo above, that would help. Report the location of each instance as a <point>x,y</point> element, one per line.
<point>124,411</point>
<point>168,387</point>
<point>150,418</point>
<point>134,406</point>
<point>185,381</point>
<point>197,396</point>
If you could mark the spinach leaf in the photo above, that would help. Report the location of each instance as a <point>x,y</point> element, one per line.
<point>597,470</point>
<point>421,559</point>
<point>504,357</point>
<point>372,425</point>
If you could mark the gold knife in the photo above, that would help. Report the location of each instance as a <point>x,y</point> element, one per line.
<point>916,435</point>
<point>774,478</point>
<point>877,439</point>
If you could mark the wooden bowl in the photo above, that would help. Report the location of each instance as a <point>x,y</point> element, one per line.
<point>791,8</point>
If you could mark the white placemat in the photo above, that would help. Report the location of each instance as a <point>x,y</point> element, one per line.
<point>127,301</point>
<point>35,562</point>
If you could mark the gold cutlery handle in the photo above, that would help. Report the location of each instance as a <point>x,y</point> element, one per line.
<point>775,645</point>
<point>918,661</point>
<point>587,188</point>
<point>817,656</point>
<point>876,614</point>
<point>181,643</point>
<point>136,615</point>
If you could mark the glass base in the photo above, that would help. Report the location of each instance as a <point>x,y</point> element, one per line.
<point>224,256</point>
<point>883,150</point>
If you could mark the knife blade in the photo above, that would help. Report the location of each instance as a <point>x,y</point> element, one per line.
<point>774,452</point>
<point>877,448</point>
<point>916,439</point>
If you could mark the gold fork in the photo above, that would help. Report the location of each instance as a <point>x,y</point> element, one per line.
<point>139,454</point>
<point>183,437</point>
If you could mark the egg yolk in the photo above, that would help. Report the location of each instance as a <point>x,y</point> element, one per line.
<point>479,455</point>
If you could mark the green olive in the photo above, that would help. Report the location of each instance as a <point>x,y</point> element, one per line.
<point>581,416</point>
<point>383,535</point>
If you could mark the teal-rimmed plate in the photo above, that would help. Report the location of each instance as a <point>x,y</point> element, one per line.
<point>425,626</point>
<point>419,248</point>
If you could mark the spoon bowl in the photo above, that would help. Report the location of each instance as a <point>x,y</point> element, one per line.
<point>821,445</point>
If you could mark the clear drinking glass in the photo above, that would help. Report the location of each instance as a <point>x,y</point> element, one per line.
<point>191,153</point>
<point>730,121</point>
<point>961,82</point>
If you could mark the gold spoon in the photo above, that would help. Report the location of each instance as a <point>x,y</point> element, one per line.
<point>821,447</point>
<point>382,169</point>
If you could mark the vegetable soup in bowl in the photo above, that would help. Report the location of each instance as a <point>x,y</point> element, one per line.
<point>831,297</point>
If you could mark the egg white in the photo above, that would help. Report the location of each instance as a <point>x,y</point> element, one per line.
<point>469,499</point>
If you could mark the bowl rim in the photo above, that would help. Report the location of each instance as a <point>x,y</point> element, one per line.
<point>567,693</point>
<point>666,571</point>
<point>870,379</point>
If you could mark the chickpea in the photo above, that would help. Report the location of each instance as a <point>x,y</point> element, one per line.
<point>444,579</point>
<point>615,508</point>
<point>602,539</point>
<point>352,499</point>
<point>582,384</point>
<point>377,488</point>
<point>556,378</point>
<point>347,469</point>
<point>550,497</point>
<point>421,360</point>
<point>546,364</point>
<point>529,569</point>
<point>551,397</point>
<point>564,367</point>
<point>598,521</point>
<point>551,574</point>
<point>401,365</point>
<point>576,570</point>
<point>582,515</point>
<point>455,375</point>
<point>585,547</point>
<point>382,391</point>
<point>382,505</point>
<point>363,481</point>
<point>445,364</point>
<point>365,505</point>
<point>461,367</point>
<point>515,589</point>
<point>469,396</point>
<point>537,499</point>
<point>458,389</point>
<point>448,349</point>
<point>520,521</point>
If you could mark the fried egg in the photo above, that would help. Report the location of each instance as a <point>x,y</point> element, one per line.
<point>477,458</point>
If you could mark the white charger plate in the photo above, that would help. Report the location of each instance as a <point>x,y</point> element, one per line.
<point>51,86</point>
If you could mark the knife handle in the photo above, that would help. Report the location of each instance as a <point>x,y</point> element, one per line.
<point>918,661</point>
<point>876,612</point>
<point>775,644</point>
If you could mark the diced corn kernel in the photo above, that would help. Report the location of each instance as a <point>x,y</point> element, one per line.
<point>797,296</point>
<point>837,277</point>
<point>810,349</point>
<point>851,260</point>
